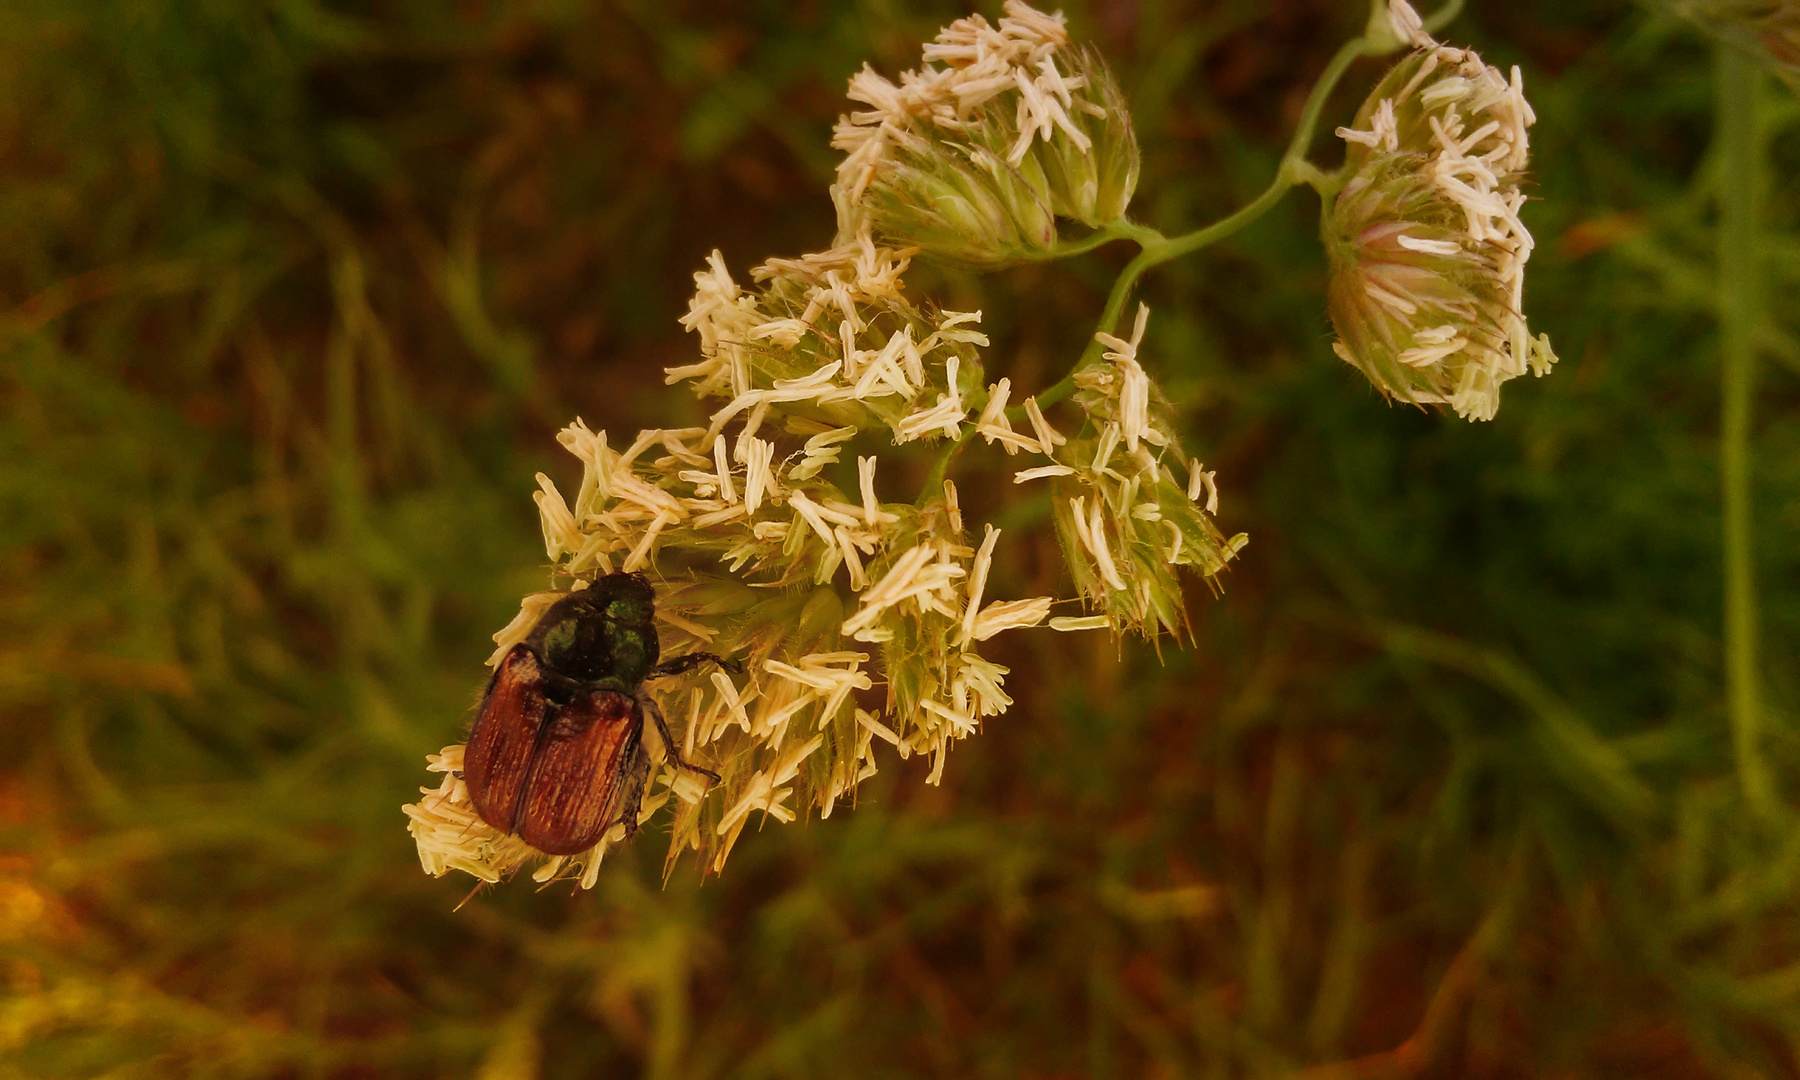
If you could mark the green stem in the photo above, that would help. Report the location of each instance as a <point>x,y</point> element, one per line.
<point>933,488</point>
<point>1295,169</point>
<point>1442,17</point>
<point>1739,165</point>
<point>1121,229</point>
<point>1158,249</point>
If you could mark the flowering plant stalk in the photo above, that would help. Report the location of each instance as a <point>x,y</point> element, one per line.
<point>860,615</point>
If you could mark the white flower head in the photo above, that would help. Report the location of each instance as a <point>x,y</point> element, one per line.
<point>768,547</point>
<point>1425,243</point>
<point>974,155</point>
<point>1130,506</point>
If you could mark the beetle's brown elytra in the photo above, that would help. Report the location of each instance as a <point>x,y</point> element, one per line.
<point>556,755</point>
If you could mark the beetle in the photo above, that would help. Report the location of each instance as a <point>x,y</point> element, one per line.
<point>556,754</point>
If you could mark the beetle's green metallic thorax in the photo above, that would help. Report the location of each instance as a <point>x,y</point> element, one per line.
<point>603,637</point>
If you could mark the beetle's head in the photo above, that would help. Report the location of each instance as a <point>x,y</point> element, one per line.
<point>605,631</point>
<point>625,598</point>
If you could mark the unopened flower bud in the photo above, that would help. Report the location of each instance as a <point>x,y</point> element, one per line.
<point>1424,240</point>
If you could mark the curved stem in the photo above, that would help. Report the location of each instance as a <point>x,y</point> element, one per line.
<point>934,480</point>
<point>1294,169</point>
<point>1442,17</point>
<point>1154,253</point>
<point>1347,54</point>
<point>1121,229</point>
<point>1158,249</point>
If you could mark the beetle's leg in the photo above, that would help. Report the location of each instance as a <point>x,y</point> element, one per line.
<point>631,800</point>
<point>691,661</point>
<point>650,706</point>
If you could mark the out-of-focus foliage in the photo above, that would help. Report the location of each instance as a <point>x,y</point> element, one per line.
<point>1767,30</point>
<point>294,296</point>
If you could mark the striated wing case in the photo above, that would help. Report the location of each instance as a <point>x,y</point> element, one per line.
<point>590,753</point>
<point>497,759</point>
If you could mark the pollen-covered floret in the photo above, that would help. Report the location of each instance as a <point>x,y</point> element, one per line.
<point>974,155</point>
<point>1426,248</point>
<point>1130,506</point>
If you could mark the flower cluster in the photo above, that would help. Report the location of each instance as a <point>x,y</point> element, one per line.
<point>973,156</point>
<point>1424,240</point>
<point>861,619</point>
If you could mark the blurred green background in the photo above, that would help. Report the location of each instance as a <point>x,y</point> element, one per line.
<point>294,294</point>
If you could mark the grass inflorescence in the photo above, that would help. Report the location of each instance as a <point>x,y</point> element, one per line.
<point>1457,778</point>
